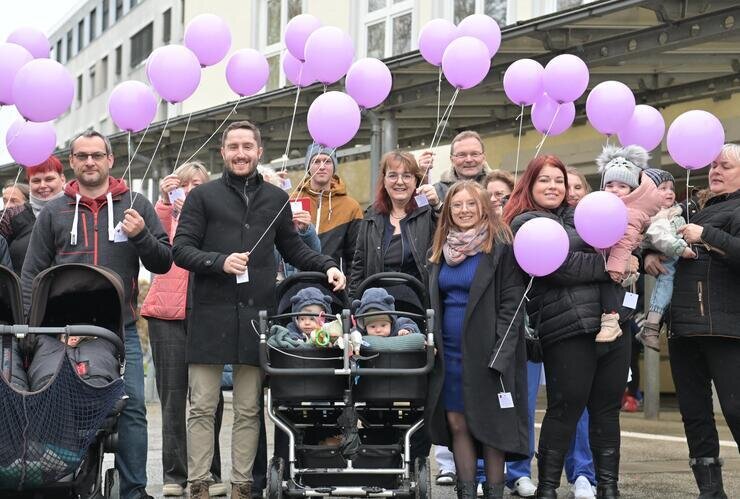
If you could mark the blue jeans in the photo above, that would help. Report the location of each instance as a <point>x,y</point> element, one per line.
<point>663,290</point>
<point>579,461</point>
<point>132,431</point>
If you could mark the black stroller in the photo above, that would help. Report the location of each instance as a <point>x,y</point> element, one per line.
<point>349,418</point>
<point>59,404</point>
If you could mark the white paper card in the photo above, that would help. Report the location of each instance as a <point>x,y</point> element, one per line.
<point>286,184</point>
<point>630,300</point>
<point>421,200</point>
<point>118,235</point>
<point>176,194</point>
<point>240,278</point>
<point>296,206</point>
<point>505,400</point>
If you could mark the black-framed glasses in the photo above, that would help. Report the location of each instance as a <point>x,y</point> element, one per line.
<point>96,156</point>
<point>464,155</point>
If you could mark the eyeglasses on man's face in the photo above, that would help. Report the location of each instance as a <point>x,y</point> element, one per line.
<point>96,156</point>
<point>465,155</point>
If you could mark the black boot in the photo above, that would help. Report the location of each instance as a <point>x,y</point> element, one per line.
<point>606,465</point>
<point>708,475</point>
<point>466,490</point>
<point>550,467</point>
<point>493,490</point>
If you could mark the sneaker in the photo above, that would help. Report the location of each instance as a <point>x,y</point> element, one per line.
<point>199,490</point>
<point>629,403</point>
<point>479,490</point>
<point>582,488</point>
<point>649,336</point>
<point>172,490</point>
<point>446,478</point>
<point>610,329</point>
<point>217,489</point>
<point>524,487</point>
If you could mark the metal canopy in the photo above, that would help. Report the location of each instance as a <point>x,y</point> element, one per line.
<point>666,51</point>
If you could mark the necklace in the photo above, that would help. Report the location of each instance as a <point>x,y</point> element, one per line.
<point>397,218</point>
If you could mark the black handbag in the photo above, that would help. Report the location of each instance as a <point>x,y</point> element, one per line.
<point>532,342</point>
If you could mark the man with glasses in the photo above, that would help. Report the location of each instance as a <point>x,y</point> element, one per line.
<point>99,221</point>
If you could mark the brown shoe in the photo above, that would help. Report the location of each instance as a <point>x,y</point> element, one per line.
<point>199,490</point>
<point>241,490</point>
<point>649,336</point>
<point>610,329</point>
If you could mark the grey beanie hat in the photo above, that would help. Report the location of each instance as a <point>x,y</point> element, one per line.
<point>623,164</point>
<point>375,299</point>
<point>315,149</point>
<point>310,296</point>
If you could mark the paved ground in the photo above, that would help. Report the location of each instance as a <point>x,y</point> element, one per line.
<point>654,457</point>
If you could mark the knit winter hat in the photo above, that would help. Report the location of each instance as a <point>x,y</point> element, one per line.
<point>374,300</point>
<point>659,176</point>
<point>623,164</point>
<point>310,296</point>
<point>315,149</point>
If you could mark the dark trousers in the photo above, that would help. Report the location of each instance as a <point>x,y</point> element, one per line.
<point>168,340</point>
<point>582,373</point>
<point>696,362</point>
<point>633,387</point>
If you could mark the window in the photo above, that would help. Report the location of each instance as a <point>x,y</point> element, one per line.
<point>79,90</point>
<point>141,45</point>
<point>93,23</point>
<point>80,36</point>
<point>273,21</point>
<point>59,51</point>
<point>167,26</point>
<point>119,9</point>
<point>92,85</point>
<point>69,44</point>
<point>106,15</point>
<point>567,4</point>
<point>388,27</point>
<point>119,60</point>
<point>134,3</point>
<point>376,40</point>
<point>497,9</point>
<point>273,82</point>
<point>104,74</point>
<point>275,14</point>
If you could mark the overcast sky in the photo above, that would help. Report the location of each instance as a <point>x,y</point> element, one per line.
<point>42,14</point>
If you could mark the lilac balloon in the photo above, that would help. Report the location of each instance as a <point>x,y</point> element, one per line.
<point>529,244</point>
<point>333,119</point>
<point>12,58</point>
<point>247,72</point>
<point>132,105</point>
<point>523,82</point>
<point>174,72</point>
<point>645,128</point>
<point>544,116</point>
<point>43,90</point>
<point>466,62</point>
<point>601,219</point>
<point>565,78</point>
<point>297,72</point>
<point>609,106</point>
<point>368,82</point>
<point>329,54</point>
<point>695,139</point>
<point>434,38</point>
<point>209,37</point>
<point>484,28</point>
<point>30,143</point>
<point>32,40</point>
<point>297,32</point>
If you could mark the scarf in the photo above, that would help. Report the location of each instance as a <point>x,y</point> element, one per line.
<point>38,204</point>
<point>462,244</point>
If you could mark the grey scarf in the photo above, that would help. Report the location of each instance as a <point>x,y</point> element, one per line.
<point>38,204</point>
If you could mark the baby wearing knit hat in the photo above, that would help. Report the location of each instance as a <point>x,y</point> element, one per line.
<point>378,300</point>
<point>315,304</point>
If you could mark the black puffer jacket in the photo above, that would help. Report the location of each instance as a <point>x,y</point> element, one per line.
<point>17,232</point>
<point>567,302</point>
<point>706,290</point>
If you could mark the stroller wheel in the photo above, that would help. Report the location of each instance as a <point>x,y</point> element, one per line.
<point>275,478</point>
<point>112,484</point>
<point>423,477</point>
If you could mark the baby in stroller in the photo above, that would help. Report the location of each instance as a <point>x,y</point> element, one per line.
<point>311,328</point>
<point>378,300</point>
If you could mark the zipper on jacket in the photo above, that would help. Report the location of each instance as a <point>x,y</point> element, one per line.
<point>95,237</point>
<point>700,294</point>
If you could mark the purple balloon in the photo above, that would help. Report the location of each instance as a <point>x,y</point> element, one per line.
<point>297,32</point>
<point>484,28</point>
<point>565,78</point>
<point>601,219</point>
<point>132,105</point>
<point>523,81</point>
<point>12,58</point>
<point>32,40</point>
<point>333,119</point>
<point>174,72</point>
<point>544,116</point>
<point>645,128</point>
<point>695,139</point>
<point>368,82</point>
<point>247,72</point>
<point>30,143</point>
<point>329,54</point>
<point>209,37</point>
<point>466,62</point>
<point>530,240</point>
<point>609,106</point>
<point>434,38</point>
<point>43,90</point>
<point>297,72</point>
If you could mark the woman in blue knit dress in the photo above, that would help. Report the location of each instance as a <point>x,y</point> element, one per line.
<point>477,398</point>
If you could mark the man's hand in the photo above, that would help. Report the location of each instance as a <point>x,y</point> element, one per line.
<point>167,185</point>
<point>426,161</point>
<point>691,233</point>
<point>132,224</point>
<point>430,192</point>
<point>302,219</point>
<point>336,278</point>
<point>653,264</point>
<point>236,263</point>
<point>688,253</point>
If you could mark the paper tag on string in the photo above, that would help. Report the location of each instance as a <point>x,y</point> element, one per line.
<point>286,184</point>
<point>176,194</point>
<point>296,206</point>
<point>421,200</point>
<point>241,278</point>
<point>505,401</point>
<point>118,235</point>
<point>630,300</point>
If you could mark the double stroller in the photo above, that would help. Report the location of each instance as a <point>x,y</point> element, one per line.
<point>349,419</point>
<point>59,403</point>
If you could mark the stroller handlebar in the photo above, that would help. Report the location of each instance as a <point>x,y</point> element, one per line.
<point>75,330</point>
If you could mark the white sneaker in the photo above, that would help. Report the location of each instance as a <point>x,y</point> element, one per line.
<point>217,489</point>
<point>582,488</point>
<point>524,487</point>
<point>479,490</point>
<point>172,490</point>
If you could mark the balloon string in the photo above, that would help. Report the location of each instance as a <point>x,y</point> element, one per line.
<point>233,110</point>
<point>182,142</point>
<point>15,182</point>
<point>508,329</point>
<point>552,122</point>
<point>131,157</point>
<point>445,117</point>
<point>128,149</point>
<point>688,195</point>
<point>292,122</point>
<point>519,143</point>
<point>151,159</point>
<point>17,133</point>
<point>439,92</point>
